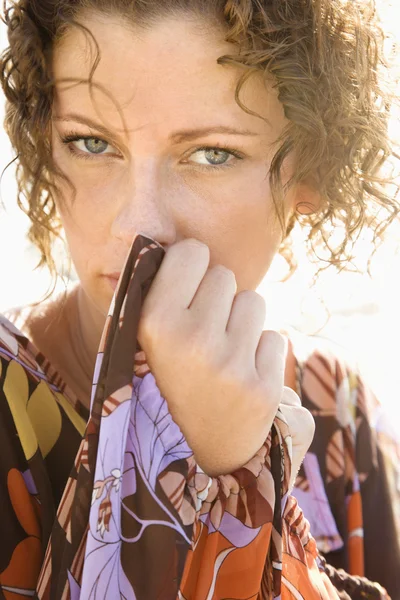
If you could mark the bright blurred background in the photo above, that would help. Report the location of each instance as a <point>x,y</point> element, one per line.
<point>358,312</point>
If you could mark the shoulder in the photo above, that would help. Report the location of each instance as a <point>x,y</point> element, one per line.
<point>16,346</point>
<point>28,336</point>
<point>33,316</point>
<point>42,322</point>
<point>10,336</point>
<point>18,318</point>
<point>27,333</point>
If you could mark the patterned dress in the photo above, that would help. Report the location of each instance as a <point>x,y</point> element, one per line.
<point>112,504</point>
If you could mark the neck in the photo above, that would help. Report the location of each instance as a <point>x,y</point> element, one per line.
<point>89,323</point>
<point>84,328</point>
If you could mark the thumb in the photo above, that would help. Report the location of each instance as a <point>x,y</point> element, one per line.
<point>301,426</point>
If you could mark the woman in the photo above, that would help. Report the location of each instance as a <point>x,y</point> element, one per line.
<point>130,134</point>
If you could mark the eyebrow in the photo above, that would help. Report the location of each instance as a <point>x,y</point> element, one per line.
<point>190,134</point>
<point>177,138</point>
<point>84,121</point>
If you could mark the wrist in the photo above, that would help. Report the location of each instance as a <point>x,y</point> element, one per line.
<point>217,464</point>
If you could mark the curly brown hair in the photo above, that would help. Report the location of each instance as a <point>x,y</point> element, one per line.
<point>326,58</point>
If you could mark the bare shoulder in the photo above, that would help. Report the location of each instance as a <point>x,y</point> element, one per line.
<point>21,316</point>
<point>42,322</point>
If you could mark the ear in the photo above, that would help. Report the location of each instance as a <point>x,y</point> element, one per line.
<point>307,200</point>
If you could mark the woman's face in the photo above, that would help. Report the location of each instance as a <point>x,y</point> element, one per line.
<point>160,147</point>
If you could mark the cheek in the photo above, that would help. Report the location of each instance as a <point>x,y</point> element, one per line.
<point>90,187</point>
<point>247,247</point>
<point>79,237</point>
<point>87,206</point>
<point>238,222</point>
<point>85,223</point>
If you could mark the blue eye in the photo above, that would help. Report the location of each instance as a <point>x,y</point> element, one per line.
<point>215,156</point>
<point>210,158</point>
<point>95,145</point>
<point>91,145</point>
<point>87,146</point>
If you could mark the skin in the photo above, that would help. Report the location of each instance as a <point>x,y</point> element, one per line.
<point>217,224</point>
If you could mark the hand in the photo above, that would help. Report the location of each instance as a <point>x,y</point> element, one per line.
<point>221,375</point>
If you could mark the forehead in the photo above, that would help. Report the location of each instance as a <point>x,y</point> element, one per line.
<point>166,74</point>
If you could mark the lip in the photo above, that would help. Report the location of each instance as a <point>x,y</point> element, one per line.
<point>112,279</point>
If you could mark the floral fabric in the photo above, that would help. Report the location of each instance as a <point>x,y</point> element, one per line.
<point>136,516</point>
<point>349,483</point>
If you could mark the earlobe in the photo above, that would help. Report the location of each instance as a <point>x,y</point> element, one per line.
<point>307,200</point>
<point>304,208</point>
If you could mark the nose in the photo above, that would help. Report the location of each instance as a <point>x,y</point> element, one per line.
<point>146,206</point>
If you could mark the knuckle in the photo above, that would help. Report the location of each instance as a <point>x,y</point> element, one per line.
<point>264,394</point>
<point>187,256</point>
<point>270,390</point>
<point>248,295</point>
<point>156,329</point>
<point>275,338</point>
<point>144,331</point>
<point>186,251</point>
<point>251,299</point>
<point>191,244</point>
<point>147,326</point>
<point>221,272</point>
